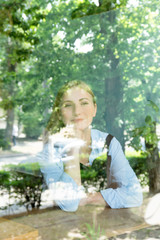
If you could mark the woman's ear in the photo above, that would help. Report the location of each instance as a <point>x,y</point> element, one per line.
<point>95,110</point>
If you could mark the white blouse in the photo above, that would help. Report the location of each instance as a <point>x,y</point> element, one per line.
<point>67,194</point>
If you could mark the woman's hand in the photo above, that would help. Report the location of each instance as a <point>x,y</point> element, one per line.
<point>69,131</point>
<point>67,138</point>
<point>93,199</point>
<point>69,146</point>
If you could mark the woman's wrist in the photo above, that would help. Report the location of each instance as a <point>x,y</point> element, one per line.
<point>72,168</point>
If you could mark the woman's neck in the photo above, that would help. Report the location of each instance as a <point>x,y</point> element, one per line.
<point>85,135</point>
<point>86,149</point>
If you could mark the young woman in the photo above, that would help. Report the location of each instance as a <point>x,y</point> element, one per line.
<point>70,140</point>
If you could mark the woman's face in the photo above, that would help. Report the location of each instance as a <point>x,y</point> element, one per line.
<point>77,108</point>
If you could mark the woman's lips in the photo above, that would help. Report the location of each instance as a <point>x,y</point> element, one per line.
<point>77,120</point>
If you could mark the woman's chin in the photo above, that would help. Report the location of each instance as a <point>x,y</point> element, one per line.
<point>79,126</point>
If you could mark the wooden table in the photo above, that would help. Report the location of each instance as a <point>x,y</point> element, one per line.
<point>54,224</point>
<point>11,230</point>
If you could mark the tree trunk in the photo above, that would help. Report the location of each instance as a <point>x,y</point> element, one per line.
<point>10,92</point>
<point>113,88</point>
<point>9,128</point>
<point>153,162</point>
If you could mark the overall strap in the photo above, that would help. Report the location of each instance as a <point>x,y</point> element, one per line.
<point>107,144</point>
<point>109,178</point>
<point>108,140</point>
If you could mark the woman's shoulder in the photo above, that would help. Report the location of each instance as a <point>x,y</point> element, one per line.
<point>98,137</point>
<point>98,134</point>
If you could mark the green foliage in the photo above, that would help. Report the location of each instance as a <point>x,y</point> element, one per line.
<point>29,168</point>
<point>95,175</point>
<point>125,54</point>
<point>87,8</point>
<point>153,106</point>
<point>149,134</point>
<point>147,131</point>
<point>94,233</point>
<point>55,60</point>
<point>25,184</point>
<point>32,124</point>
<point>139,165</point>
<point>15,24</point>
<point>18,26</point>
<point>3,142</point>
<point>4,181</point>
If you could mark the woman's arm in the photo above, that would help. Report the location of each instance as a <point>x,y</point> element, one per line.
<point>129,192</point>
<point>60,177</point>
<point>94,199</point>
<point>72,166</point>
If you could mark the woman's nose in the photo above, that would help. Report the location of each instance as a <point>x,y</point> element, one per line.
<point>77,110</point>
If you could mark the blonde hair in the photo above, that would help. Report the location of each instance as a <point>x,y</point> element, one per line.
<point>55,123</point>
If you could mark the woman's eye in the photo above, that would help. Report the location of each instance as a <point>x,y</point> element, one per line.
<point>84,103</point>
<point>67,105</point>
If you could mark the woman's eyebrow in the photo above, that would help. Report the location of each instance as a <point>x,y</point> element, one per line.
<point>83,99</point>
<point>66,101</point>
